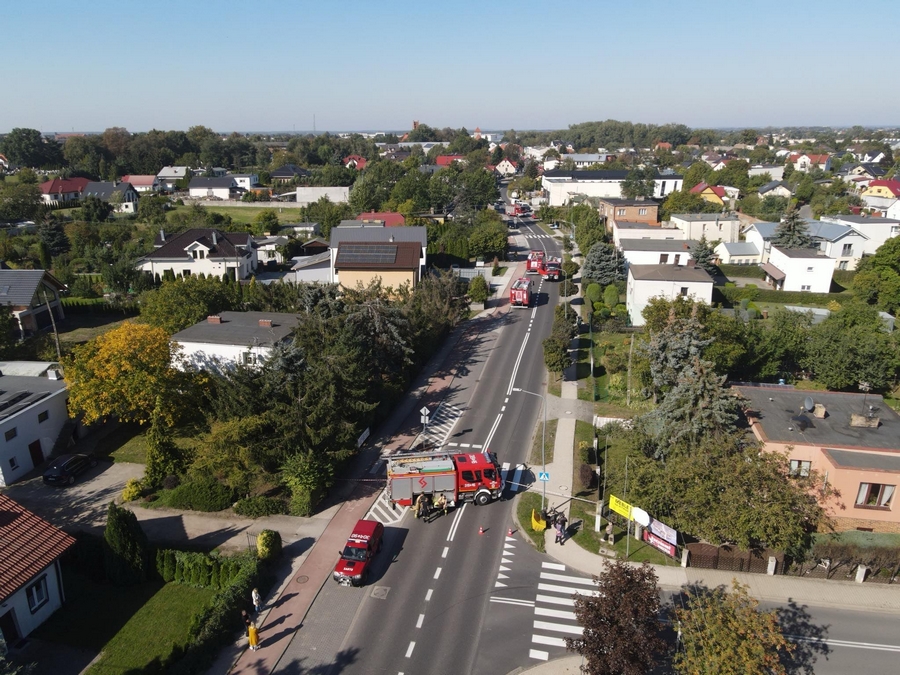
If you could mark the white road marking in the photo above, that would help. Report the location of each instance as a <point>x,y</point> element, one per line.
<point>547,640</point>
<point>504,569</point>
<point>487,441</point>
<point>420,621</point>
<point>552,588</point>
<point>535,654</point>
<point>512,378</point>
<point>502,576</point>
<point>508,546</point>
<point>444,554</point>
<point>428,594</point>
<point>455,525</point>
<point>497,584</point>
<point>845,643</point>
<point>555,600</point>
<point>506,560</point>
<point>437,573</point>
<point>553,566</point>
<point>567,578</point>
<point>558,627</point>
<point>503,409</point>
<point>555,613</point>
<point>512,601</point>
<point>465,445</point>
<point>409,650</point>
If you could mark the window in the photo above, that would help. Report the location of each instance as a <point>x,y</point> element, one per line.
<point>468,476</point>
<point>677,259</point>
<point>250,359</point>
<point>874,495</point>
<point>806,288</point>
<point>43,416</point>
<point>11,434</point>
<point>620,212</point>
<point>37,594</point>
<point>895,229</point>
<point>842,265</point>
<point>799,467</point>
<point>809,269</point>
<point>194,254</point>
<point>270,255</point>
<point>684,291</point>
<point>202,254</point>
<point>663,258</point>
<point>847,250</point>
<point>186,273</point>
<point>13,463</point>
<point>642,212</point>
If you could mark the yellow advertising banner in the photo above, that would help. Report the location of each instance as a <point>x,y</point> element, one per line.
<point>620,507</point>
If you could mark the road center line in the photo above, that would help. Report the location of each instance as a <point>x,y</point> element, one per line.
<point>409,650</point>
<point>487,441</point>
<point>420,621</point>
<point>428,595</point>
<point>444,554</point>
<point>512,378</point>
<point>455,525</point>
<point>437,573</point>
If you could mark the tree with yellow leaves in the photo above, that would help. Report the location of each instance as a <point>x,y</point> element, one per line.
<point>121,373</point>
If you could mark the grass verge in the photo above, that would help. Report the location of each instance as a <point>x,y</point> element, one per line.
<point>538,440</point>
<point>526,502</point>
<point>247,214</point>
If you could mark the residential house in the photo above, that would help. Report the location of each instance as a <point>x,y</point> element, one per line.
<point>798,269</point>
<point>760,234</point>
<point>664,281</point>
<point>561,186</point>
<point>893,211</point>
<point>506,167</point>
<point>887,189</point>
<point>62,190</point>
<point>663,145</point>
<point>447,160</point>
<point>288,173</point>
<point>309,195</point>
<point>775,188</point>
<point>715,194</point>
<point>33,416</point>
<point>721,164</point>
<point>712,158</point>
<point>626,229</point>
<point>142,183</point>
<point>870,157</point>
<point>634,210</point>
<point>584,159</point>
<point>223,187</point>
<point>656,251</point>
<point>246,181</point>
<point>851,440</point>
<point>355,162</point>
<point>168,176</point>
<point>878,230</point>
<point>231,338</point>
<point>31,586</point>
<point>373,251</point>
<point>738,253</point>
<point>201,251</point>
<point>31,295</point>
<point>122,196</point>
<point>804,162</point>
<point>268,249</point>
<point>841,243</point>
<point>870,171</point>
<point>714,226</point>
<point>311,268</point>
<point>775,171</point>
<point>303,229</point>
<point>389,218</point>
<point>314,246</point>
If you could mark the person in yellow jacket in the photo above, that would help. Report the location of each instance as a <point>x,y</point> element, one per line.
<point>253,636</point>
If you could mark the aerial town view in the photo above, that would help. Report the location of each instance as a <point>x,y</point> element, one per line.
<point>455,338</point>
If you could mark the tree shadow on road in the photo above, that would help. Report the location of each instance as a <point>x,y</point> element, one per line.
<point>342,660</point>
<point>808,637</point>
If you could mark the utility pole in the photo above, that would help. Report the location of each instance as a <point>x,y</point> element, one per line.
<point>53,323</point>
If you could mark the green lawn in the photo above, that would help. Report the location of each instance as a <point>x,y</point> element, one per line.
<point>132,625</point>
<point>247,214</point>
<point>526,502</point>
<point>128,443</point>
<point>79,328</point>
<point>539,439</point>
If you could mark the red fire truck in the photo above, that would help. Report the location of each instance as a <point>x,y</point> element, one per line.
<point>551,268</point>
<point>534,262</point>
<point>520,293</point>
<point>472,477</point>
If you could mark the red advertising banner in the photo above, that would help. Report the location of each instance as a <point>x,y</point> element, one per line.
<point>658,543</point>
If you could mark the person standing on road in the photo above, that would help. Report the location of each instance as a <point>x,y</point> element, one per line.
<point>441,503</point>
<point>559,532</point>
<point>257,600</point>
<point>420,504</point>
<point>247,620</point>
<point>563,529</point>
<point>253,636</point>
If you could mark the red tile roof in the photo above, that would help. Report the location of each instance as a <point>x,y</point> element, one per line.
<point>28,545</point>
<point>58,185</point>
<point>360,161</point>
<point>698,188</point>
<point>447,160</point>
<point>717,190</point>
<point>892,185</point>
<point>139,181</point>
<point>390,218</point>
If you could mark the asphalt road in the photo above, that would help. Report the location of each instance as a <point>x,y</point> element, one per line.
<point>424,609</point>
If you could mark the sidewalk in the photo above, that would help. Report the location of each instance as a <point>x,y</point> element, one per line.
<point>352,499</point>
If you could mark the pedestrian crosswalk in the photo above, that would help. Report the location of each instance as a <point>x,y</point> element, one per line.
<point>554,608</point>
<point>384,512</point>
<point>441,424</point>
<point>512,476</point>
<point>538,236</point>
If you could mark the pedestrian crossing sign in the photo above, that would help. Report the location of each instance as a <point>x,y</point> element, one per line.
<point>544,476</point>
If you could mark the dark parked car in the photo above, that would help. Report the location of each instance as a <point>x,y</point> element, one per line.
<point>65,467</point>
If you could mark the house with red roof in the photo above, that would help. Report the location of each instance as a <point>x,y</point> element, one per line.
<point>663,145</point>
<point>31,586</point>
<point>142,183</point>
<point>507,167</point>
<point>804,162</point>
<point>447,160</point>
<point>883,188</point>
<point>61,190</point>
<point>389,218</point>
<point>712,193</point>
<point>355,162</point>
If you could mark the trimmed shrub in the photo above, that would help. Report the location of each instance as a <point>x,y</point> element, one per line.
<point>478,289</point>
<point>259,507</point>
<point>199,494</point>
<point>268,545</point>
<point>126,554</point>
<point>585,476</point>
<point>133,490</point>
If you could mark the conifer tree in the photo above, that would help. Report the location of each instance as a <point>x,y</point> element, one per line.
<point>792,232</point>
<point>603,264</point>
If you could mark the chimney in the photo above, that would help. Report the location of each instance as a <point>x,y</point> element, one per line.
<point>265,323</point>
<point>162,235</point>
<point>215,238</point>
<point>214,318</point>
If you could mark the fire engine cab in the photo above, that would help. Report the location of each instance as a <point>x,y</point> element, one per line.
<point>520,293</point>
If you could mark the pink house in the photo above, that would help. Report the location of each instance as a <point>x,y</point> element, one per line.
<point>852,441</point>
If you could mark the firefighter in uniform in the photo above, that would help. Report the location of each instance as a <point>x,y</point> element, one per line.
<point>420,505</point>
<point>441,503</point>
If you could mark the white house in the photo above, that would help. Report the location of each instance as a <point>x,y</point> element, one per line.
<point>268,249</point>
<point>893,210</point>
<point>307,195</point>
<point>303,229</point>
<point>804,162</point>
<point>666,281</point>
<point>142,183</point>
<point>561,185</point>
<point>29,294</point>
<point>878,230</point>
<point>222,187</point>
<point>839,242</point>
<point>506,168</point>
<point>246,180</point>
<point>738,253</point>
<point>310,269</point>
<point>584,159</point>
<point>775,188</point>
<point>31,588</point>
<point>713,226</point>
<point>122,196</point>
<point>62,190</point>
<point>799,269</point>
<point>32,415</point>
<point>760,234</point>
<point>656,251</point>
<point>201,251</point>
<point>169,175</point>
<point>628,229</point>
<point>775,171</point>
<point>233,338</point>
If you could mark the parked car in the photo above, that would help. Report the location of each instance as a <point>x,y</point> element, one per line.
<point>364,542</point>
<point>65,467</point>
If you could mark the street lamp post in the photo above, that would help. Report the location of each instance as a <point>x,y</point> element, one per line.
<point>543,442</point>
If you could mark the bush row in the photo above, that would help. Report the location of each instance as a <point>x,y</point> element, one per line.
<point>199,569</point>
<point>199,494</point>
<point>752,271</point>
<point>91,306</point>
<point>259,507</point>
<point>733,295</point>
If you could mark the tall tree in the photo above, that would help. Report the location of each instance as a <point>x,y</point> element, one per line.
<point>183,302</point>
<point>639,182</point>
<point>877,278</point>
<point>703,254</point>
<point>20,202</point>
<point>621,622</point>
<point>126,559</point>
<point>724,633</point>
<point>603,264</point>
<point>25,147</point>
<point>676,339</point>
<point>792,232</point>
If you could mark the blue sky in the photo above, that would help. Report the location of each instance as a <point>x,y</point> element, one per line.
<point>497,64</point>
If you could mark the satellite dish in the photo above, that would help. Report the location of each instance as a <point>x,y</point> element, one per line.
<point>809,404</point>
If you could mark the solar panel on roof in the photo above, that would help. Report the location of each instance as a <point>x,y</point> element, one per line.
<point>377,254</point>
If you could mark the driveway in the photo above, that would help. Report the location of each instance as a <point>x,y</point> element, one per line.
<point>83,506</point>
